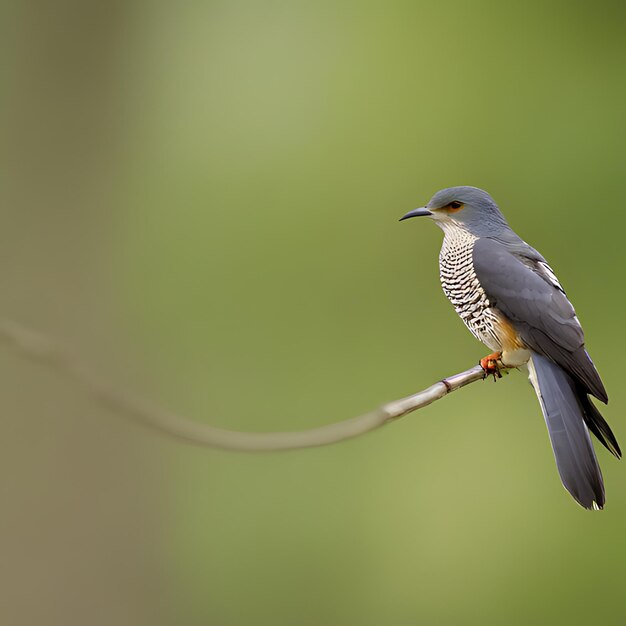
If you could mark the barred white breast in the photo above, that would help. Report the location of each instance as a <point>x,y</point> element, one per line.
<point>459,282</point>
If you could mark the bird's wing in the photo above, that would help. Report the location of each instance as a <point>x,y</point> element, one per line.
<point>533,300</point>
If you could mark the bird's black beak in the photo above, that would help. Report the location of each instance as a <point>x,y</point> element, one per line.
<point>421,212</point>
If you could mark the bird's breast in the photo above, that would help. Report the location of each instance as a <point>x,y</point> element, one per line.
<point>463,289</point>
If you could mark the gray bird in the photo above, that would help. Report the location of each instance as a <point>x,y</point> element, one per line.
<point>510,299</point>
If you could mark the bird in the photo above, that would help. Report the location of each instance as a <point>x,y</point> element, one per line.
<point>509,298</point>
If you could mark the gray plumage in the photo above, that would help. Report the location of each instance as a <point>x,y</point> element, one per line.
<point>562,409</point>
<point>509,297</point>
<point>539,310</point>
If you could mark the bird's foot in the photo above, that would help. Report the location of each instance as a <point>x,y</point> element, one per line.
<point>491,365</point>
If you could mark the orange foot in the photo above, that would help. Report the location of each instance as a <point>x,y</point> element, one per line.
<point>491,365</point>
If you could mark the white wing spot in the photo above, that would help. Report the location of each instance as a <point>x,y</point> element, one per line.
<point>547,271</point>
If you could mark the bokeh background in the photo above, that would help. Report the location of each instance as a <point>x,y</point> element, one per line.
<point>202,199</point>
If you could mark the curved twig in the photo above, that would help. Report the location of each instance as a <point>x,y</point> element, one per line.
<point>38,347</point>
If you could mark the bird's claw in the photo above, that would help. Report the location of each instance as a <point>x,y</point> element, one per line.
<point>491,365</point>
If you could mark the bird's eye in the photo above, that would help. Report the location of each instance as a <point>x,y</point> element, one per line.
<point>455,206</point>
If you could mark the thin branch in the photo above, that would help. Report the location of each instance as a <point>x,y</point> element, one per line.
<point>37,347</point>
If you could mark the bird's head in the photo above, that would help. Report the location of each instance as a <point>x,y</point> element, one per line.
<point>469,208</point>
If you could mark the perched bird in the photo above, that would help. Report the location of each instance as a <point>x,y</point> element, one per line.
<point>510,299</point>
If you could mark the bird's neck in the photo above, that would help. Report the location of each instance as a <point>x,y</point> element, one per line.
<point>456,239</point>
<point>453,229</point>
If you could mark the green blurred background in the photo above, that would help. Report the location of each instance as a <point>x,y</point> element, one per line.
<point>203,199</point>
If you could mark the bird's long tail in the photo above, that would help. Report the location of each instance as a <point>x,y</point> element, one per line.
<point>564,409</point>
